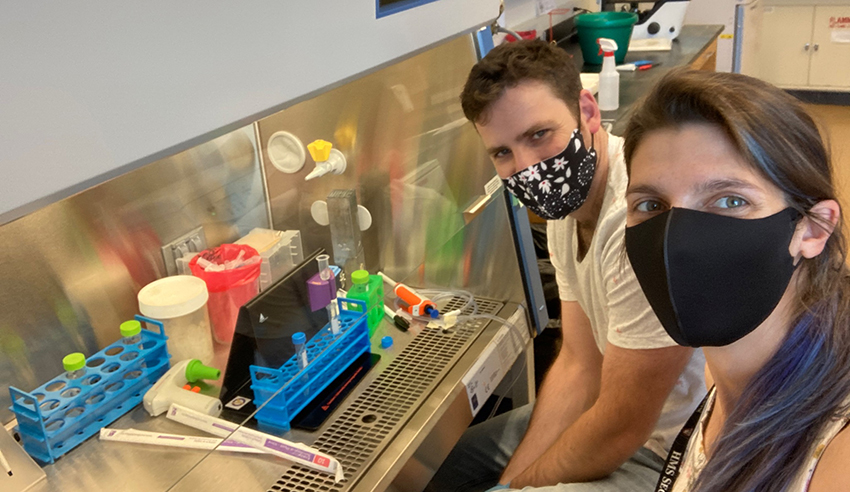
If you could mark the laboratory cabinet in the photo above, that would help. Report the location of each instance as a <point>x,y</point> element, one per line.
<point>806,46</point>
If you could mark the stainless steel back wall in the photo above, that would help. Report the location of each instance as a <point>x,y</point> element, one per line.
<point>416,164</point>
<point>69,273</point>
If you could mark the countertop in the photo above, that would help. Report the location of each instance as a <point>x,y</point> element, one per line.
<point>690,44</point>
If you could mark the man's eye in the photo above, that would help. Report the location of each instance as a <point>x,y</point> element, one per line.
<point>501,153</point>
<point>649,206</point>
<point>539,134</point>
<point>730,202</point>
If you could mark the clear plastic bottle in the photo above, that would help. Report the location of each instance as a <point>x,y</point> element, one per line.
<point>132,332</point>
<point>299,339</point>
<point>609,78</point>
<point>75,365</point>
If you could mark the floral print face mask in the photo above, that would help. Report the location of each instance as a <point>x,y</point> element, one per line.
<point>556,187</point>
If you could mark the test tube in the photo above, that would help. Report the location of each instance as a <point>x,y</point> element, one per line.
<point>324,271</point>
<point>131,331</point>
<point>299,339</point>
<point>333,314</point>
<point>75,365</point>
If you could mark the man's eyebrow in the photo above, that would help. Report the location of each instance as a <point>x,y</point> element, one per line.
<point>537,127</point>
<point>493,150</point>
<point>527,133</point>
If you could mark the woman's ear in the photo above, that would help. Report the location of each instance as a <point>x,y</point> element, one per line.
<point>812,234</point>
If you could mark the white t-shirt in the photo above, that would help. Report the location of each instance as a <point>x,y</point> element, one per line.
<point>607,290</point>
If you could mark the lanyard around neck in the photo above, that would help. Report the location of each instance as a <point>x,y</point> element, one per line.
<point>673,464</point>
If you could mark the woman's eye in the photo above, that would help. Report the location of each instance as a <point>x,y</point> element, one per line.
<point>649,206</point>
<point>539,134</point>
<point>730,202</point>
<point>501,153</point>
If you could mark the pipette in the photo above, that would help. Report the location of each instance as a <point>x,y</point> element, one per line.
<point>325,273</point>
<point>416,304</point>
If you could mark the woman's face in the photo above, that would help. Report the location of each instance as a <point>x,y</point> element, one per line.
<point>696,166</point>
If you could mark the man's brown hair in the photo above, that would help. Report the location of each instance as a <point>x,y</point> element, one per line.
<point>509,64</point>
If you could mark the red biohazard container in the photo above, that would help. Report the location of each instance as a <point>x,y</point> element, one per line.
<point>229,288</point>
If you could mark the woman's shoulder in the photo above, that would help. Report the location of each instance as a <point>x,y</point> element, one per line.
<point>831,455</point>
<point>832,473</point>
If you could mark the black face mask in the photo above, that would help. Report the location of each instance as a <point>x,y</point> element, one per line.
<point>712,279</point>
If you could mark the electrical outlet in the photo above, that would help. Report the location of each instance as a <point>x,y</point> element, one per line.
<point>193,241</point>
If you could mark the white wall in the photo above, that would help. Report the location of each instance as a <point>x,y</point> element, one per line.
<point>90,90</point>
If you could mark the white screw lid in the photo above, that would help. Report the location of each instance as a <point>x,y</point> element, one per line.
<point>172,297</point>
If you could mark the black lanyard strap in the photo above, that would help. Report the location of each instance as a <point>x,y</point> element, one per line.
<point>673,465</point>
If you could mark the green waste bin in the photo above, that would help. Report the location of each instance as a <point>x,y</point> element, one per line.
<point>612,25</point>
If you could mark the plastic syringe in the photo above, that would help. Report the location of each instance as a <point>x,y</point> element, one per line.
<point>416,304</point>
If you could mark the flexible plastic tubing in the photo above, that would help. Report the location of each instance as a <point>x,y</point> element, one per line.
<point>438,295</point>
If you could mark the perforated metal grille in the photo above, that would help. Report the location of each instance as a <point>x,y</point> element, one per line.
<point>374,418</point>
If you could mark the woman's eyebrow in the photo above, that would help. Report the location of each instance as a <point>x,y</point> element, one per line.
<point>644,189</point>
<point>716,185</point>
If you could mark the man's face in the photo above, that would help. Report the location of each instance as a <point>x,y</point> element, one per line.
<point>525,126</point>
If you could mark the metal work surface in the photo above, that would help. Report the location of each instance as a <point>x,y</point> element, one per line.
<point>357,435</point>
<point>692,41</point>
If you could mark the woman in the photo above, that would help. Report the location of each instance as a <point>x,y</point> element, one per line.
<point>734,233</point>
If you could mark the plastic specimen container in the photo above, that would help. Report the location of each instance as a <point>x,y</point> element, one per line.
<point>180,303</point>
<point>280,250</point>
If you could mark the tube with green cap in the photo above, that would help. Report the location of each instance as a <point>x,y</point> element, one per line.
<point>132,332</point>
<point>75,365</point>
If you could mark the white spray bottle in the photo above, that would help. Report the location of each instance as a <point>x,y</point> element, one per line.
<point>609,78</point>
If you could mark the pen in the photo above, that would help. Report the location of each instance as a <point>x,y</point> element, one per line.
<point>648,66</point>
<point>399,322</point>
<point>5,464</point>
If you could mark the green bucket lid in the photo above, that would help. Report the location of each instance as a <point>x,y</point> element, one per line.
<point>130,328</point>
<point>73,362</point>
<point>360,276</point>
<point>606,19</point>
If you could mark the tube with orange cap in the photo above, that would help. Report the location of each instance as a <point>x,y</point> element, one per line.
<point>416,304</point>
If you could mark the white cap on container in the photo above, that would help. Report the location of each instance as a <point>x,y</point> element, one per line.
<point>172,297</point>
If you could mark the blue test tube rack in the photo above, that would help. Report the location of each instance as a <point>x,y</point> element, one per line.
<point>328,357</point>
<point>52,419</point>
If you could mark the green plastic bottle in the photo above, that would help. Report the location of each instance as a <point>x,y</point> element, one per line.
<point>369,289</point>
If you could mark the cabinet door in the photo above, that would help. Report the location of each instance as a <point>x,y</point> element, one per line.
<point>831,47</point>
<point>786,37</point>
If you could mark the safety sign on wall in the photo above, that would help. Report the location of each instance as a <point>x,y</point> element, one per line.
<point>839,27</point>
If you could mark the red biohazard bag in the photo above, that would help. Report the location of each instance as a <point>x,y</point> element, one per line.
<point>231,272</point>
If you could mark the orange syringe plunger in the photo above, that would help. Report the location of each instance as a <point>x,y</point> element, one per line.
<point>416,304</point>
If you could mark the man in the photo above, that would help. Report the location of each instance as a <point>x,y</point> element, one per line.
<point>620,388</point>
